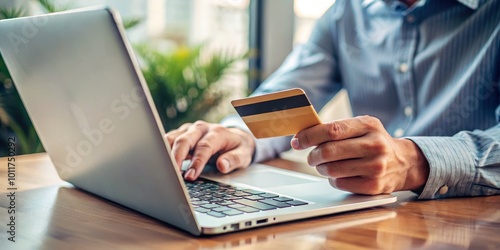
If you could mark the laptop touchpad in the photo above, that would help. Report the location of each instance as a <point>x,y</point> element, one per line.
<point>271,178</point>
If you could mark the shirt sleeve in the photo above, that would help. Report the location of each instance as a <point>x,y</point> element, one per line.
<point>466,164</point>
<point>311,67</point>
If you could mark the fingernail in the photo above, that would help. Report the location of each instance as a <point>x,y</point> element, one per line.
<point>333,182</point>
<point>224,165</point>
<point>322,170</point>
<point>190,174</point>
<point>295,143</point>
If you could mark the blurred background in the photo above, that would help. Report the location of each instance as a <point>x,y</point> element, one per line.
<point>228,46</point>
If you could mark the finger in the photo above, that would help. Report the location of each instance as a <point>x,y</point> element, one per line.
<point>360,185</point>
<point>334,131</point>
<point>347,168</point>
<point>360,147</point>
<point>187,141</point>
<point>172,135</point>
<point>216,142</point>
<point>239,157</point>
<point>207,146</point>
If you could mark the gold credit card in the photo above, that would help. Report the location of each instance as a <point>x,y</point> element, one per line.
<point>277,114</point>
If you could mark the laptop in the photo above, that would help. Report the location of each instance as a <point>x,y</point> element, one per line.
<point>82,86</point>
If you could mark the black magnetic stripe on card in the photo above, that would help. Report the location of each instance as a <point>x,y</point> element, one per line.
<point>290,102</point>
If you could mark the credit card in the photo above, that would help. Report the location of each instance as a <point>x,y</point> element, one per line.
<point>277,114</point>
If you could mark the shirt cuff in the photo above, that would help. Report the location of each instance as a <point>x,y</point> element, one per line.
<point>451,167</point>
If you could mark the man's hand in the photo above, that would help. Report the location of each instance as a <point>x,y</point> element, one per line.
<point>228,148</point>
<point>358,155</point>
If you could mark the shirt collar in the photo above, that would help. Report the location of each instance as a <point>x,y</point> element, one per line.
<point>473,4</point>
<point>401,7</point>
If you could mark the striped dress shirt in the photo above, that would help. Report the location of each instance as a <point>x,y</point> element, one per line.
<point>429,72</point>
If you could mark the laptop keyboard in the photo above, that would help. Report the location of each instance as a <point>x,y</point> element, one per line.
<point>221,200</point>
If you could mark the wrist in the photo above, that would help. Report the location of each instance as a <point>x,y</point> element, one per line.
<point>417,166</point>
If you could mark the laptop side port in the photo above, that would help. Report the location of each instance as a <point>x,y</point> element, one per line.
<point>235,226</point>
<point>248,223</point>
<point>261,221</point>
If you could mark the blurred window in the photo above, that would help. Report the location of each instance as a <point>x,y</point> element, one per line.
<point>306,14</point>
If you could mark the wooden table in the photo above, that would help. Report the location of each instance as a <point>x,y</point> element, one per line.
<point>51,214</point>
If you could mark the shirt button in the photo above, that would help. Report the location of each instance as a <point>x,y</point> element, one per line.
<point>403,67</point>
<point>410,18</point>
<point>408,111</point>
<point>443,190</point>
<point>399,132</point>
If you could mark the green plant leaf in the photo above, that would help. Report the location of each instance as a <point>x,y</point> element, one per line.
<point>52,7</point>
<point>11,13</point>
<point>182,81</point>
<point>129,23</point>
<point>15,120</point>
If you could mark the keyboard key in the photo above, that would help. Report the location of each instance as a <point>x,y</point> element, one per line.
<point>248,209</point>
<point>232,212</point>
<point>282,198</point>
<point>253,197</point>
<point>251,191</point>
<point>202,210</point>
<point>236,205</point>
<point>226,203</point>
<point>194,194</point>
<point>199,203</point>
<point>220,209</point>
<point>214,200</point>
<point>210,206</point>
<point>275,203</point>
<point>205,197</point>
<point>255,204</point>
<point>296,203</point>
<point>216,214</point>
<point>268,195</point>
<point>241,194</point>
<point>226,197</point>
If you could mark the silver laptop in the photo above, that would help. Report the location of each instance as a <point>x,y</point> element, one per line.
<point>82,86</point>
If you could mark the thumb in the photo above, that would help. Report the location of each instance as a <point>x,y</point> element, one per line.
<point>233,159</point>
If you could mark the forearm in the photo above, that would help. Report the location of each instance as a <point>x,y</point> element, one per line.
<point>466,164</point>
